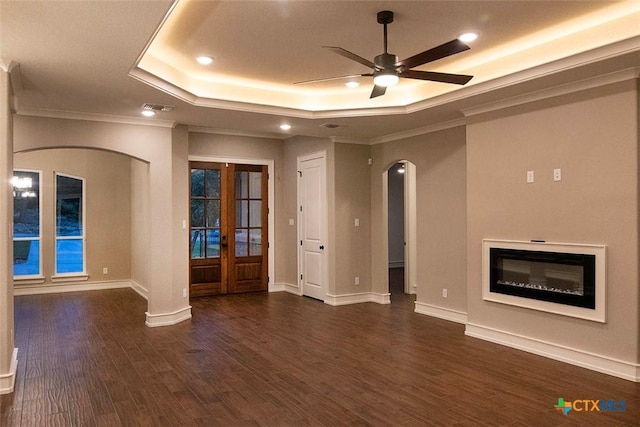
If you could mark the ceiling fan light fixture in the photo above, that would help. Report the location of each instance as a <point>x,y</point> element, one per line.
<point>204,60</point>
<point>386,79</point>
<point>468,37</point>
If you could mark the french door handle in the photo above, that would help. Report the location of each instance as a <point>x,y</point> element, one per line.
<point>322,247</point>
<point>223,242</point>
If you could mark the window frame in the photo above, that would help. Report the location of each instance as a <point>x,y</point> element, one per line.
<point>76,274</point>
<point>39,277</point>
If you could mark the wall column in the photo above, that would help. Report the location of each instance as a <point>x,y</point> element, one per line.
<point>8,354</point>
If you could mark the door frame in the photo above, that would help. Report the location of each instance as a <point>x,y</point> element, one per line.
<point>325,232</point>
<point>271,203</point>
<point>410,223</point>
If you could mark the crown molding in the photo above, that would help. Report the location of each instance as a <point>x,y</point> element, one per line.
<point>233,132</point>
<point>419,131</point>
<point>555,91</point>
<point>94,117</point>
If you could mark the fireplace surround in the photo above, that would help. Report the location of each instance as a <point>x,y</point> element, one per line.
<point>566,279</point>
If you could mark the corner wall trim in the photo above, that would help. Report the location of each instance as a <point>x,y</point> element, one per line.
<point>595,362</point>
<point>358,298</point>
<point>441,312</point>
<point>8,380</point>
<point>141,290</point>
<point>168,319</point>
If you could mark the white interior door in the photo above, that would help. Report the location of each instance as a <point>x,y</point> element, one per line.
<point>312,220</point>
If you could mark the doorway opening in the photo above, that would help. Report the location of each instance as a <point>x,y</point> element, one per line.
<point>400,201</point>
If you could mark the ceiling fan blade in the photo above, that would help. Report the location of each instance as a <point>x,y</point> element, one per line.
<point>350,55</point>
<point>350,76</point>
<point>439,52</point>
<point>378,91</point>
<point>458,79</point>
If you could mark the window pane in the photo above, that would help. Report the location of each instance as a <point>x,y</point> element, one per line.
<point>26,204</point>
<point>197,213</point>
<point>241,242</point>
<point>255,185</point>
<point>242,185</point>
<point>69,256</point>
<point>213,184</point>
<point>197,183</point>
<point>255,213</point>
<point>213,243</point>
<point>255,246</point>
<point>213,213</point>
<point>197,244</point>
<point>68,206</point>
<point>242,213</point>
<point>26,257</point>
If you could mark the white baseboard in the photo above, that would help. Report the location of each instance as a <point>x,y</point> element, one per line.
<point>441,312</point>
<point>8,380</point>
<point>168,319</point>
<point>606,365</point>
<point>141,290</point>
<point>358,298</point>
<point>276,287</point>
<point>292,289</point>
<point>54,288</point>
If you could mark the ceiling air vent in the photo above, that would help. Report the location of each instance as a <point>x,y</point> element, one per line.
<point>330,125</point>
<point>157,107</point>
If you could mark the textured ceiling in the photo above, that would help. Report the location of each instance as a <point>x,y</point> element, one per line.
<point>80,57</point>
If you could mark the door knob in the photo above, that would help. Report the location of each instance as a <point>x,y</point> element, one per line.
<point>322,247</point>
<point>224,241</point>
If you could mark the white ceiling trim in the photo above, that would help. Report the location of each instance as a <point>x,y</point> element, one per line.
<point>95,117</point>
<point>419,131</point>
<point>552,92</point>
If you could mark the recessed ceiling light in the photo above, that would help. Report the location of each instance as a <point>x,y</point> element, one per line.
<point>468,37</point>
<point>204,60</point>
<point>148,113</point>
<point>285,126</point>
<point>352,84</point>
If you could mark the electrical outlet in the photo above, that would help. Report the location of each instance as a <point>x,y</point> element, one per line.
<point>357,280</point>
<point>445,293</point>
<point>530,177</point>
<point>356,222</point>
<point>557,174</point>
<point>105,270</point>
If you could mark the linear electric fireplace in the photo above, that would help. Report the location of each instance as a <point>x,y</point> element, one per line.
<point>565,279</point>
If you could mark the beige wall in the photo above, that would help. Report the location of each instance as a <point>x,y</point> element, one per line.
<point>108,204</point>
<point>352,200</point>
<point>440,159</point>
<point>140,223</point>
<point>593,137</point>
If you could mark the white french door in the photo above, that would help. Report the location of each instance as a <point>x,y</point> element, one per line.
<point>312,225</point>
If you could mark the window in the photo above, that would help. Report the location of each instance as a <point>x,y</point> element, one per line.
<point>70,251</point>
<point>26,223</point>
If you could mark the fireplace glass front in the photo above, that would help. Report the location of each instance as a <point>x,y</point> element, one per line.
<point>564,278</point>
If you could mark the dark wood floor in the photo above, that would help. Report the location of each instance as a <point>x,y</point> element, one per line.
<point>277,359</point>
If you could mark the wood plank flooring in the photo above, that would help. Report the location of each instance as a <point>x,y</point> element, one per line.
<point>87,358</point>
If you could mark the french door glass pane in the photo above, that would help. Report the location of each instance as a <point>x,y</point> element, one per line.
<point>213,184</point>
<point>255,246</point>
<point>26,257</point>
<point>197,213</point>
<point>255,213</point>
<point>197,183</point>
<point>213,213</point>
<point>197,244</point>
<point>242,213</point>
<point>241,242</point>
<point>69,256</point>
<point>213,243</point>
<point>242,185</point>
<point>255,185</point>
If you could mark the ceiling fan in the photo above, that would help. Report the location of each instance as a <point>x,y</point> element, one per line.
<point>387,69</point>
